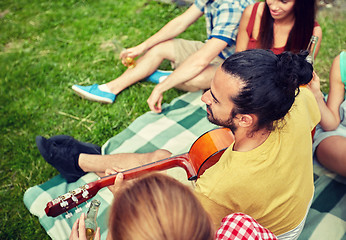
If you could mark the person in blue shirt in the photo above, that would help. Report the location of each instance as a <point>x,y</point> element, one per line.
<point>194,62</point>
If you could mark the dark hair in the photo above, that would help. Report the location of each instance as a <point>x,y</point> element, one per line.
<point>301,32</point>
<point>270,83</point>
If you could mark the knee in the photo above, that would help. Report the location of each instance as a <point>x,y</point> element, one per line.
<point>162,49</point>
<point>331,154</point>
<point>161,154</point>
<point>188,87</point>
<point>198,83</point>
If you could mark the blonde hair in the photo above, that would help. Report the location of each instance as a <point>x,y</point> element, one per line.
<point>158,207</point>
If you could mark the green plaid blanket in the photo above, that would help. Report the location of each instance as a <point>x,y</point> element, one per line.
<point>180,124</point>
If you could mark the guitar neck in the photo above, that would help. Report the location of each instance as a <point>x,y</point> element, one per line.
<point>204,153</point>
<point>164,164</point>
<point>77,196</point>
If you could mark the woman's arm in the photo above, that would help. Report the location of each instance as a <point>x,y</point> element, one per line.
<point>317,32</point>
<point>336,91</point>
<point>330,118</point>
<point>243,37</point>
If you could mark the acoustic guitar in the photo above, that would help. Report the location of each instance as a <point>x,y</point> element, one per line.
<point>204,153</point>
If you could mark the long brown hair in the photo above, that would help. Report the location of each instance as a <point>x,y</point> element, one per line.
<point>158,207</point>
<point>301,32</point>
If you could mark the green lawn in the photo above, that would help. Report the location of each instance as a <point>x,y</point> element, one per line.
<point>45,48</point>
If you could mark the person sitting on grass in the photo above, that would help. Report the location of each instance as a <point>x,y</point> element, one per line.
<point>195,62</point>
<point>279,25</point>
<point>156,206</point>
<point>267,172</point>
<point>330,136</point>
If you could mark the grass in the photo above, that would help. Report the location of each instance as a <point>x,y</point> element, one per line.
<point>45,48</point>
<point>333,26</point>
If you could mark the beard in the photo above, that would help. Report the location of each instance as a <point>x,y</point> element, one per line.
<point>229,123</point>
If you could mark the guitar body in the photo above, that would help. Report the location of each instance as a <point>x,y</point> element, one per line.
<point>204,153</point>
<point>208,148</point>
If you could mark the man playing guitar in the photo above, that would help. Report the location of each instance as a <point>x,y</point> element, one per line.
<point>267,171</point>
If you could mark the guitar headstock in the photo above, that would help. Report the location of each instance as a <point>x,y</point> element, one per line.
<point>70,200</point>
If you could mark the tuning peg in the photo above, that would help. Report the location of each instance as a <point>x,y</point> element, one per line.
<point>87,205</point>
<point>78,209</point>
<point>68,215</point>
<point>85,193</point>
<point>63,204</point>
<point>74,198</point>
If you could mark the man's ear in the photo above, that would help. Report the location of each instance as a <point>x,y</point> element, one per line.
<point>246,120</point>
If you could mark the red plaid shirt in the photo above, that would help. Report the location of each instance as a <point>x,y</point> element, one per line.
<point>239,226</point>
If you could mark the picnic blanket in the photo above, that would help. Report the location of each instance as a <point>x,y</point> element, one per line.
<point>175,129</point>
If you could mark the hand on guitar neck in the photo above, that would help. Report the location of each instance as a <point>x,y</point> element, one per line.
<point>204,153</point>
<point>118,180</point>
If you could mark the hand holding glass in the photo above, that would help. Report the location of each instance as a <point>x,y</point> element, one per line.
<point>121,51</point>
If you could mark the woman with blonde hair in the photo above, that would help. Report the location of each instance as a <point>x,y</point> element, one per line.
<point>158,207</point>
<point>154,206</point>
